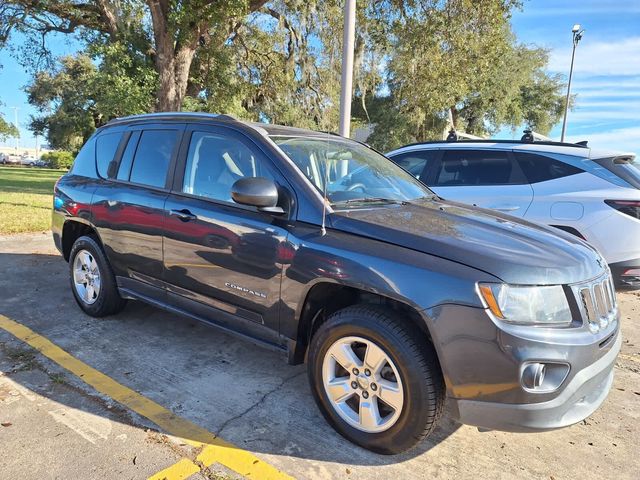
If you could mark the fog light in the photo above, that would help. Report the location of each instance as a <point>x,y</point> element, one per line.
<point>533,375</point>
<point>543,377</point>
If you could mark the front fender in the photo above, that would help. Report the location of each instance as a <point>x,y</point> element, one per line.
<point>416,279</point>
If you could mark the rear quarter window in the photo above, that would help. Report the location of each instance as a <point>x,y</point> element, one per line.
<point>625,167</point>
<point>85,163</point>
<point>106,148</point>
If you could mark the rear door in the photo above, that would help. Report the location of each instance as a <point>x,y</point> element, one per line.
<point>486,178</point>
<point>221,258</point>
<point>128,206</point>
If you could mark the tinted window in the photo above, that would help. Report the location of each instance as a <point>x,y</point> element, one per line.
<point>106,147</point>
<point>124,170</point>
<point>469,167</point>
<point>540,168</point>
<point>627,168</point>
<point>152,157</point>
<point>415,162</point>
<point>215,162</point>
<point>85,162</point>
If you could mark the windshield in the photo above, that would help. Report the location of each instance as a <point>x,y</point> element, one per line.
<point>625,167</point>
<point>352,172</point>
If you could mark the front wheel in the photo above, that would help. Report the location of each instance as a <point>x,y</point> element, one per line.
<point>376,378</point>
<point>92,281</point>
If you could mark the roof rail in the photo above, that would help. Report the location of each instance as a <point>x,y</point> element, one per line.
<point>171,116</point>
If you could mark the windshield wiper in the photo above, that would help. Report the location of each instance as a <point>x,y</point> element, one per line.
<point>372,200</point>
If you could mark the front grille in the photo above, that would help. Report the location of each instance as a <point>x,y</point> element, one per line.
<point>597,301</point>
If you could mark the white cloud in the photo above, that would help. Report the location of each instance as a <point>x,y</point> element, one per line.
<point>620,104</point>
<point>586,115</point>
<point>608,84</point>
<point>622,139</point>
<point>608,8</point>
<point>606,93</point>
<point>600,58</point>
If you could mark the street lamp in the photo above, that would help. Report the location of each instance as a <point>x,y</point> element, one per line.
<point>577,36</point>
<point>347,67</point>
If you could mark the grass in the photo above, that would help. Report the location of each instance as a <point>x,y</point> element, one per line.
<point>24,359</point>
<point>26,197</point>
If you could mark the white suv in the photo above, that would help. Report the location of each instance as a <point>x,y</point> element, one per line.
<point>592,194</point>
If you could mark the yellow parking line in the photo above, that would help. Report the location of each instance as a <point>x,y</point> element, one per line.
<point>178,471</point>
<point>214,449</point>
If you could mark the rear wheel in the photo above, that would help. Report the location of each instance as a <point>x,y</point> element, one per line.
<point>92,281</point>
<point>376,379</point>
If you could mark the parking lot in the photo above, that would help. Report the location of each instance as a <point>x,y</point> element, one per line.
<point>145,366</point>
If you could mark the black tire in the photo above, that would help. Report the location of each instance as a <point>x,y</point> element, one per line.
<point>415,360</point>
<point>108,300</point>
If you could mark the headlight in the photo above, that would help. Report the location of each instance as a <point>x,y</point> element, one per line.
<point>527,305</point>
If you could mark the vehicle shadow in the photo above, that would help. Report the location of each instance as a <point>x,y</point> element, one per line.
<point>247,395</point>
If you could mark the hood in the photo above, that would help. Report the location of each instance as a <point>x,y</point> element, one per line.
<point>514,250</point>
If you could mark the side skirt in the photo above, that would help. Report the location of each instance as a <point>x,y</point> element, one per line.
<point>218,319</point>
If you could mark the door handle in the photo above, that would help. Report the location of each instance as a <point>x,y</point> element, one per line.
<point>506,208</point>
<point>184,215</point>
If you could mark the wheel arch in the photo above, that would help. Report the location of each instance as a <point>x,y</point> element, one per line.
<point>324,298</point>
<point>74,229</point>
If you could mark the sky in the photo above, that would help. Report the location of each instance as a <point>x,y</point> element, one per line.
<point>606,71</point>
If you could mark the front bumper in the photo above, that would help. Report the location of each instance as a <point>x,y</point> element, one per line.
<point>483,362</point>
<point>579,399</point>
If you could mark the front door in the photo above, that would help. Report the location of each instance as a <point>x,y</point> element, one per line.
<point>219,254</point>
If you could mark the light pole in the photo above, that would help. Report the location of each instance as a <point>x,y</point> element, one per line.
<point>577,36</point>
<point>15,118</point>
<point>348,41</point>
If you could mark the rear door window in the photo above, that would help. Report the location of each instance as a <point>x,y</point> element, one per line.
<point>106,148</point>
<point>477,167</point>
<point>540,168</point>
<point>152,157</point>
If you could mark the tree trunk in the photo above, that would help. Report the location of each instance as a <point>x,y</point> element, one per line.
<point>173,59</point>
<point>172,63</point>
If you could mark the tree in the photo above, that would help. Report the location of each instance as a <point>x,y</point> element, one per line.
<point>78,96</point>
<point>461,56</point>
<point>267,69</point>
<point>280,61</point>
<point>178,28</point>
<point>7,130</point>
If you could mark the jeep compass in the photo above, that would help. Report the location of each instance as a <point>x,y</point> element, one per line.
<point>319,247</point>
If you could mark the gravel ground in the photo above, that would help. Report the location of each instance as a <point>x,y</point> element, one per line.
<point>248,395</point>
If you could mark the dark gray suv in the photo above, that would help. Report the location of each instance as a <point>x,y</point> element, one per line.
<point>318,246</point>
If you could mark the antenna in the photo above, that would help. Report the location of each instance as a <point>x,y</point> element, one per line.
<point>323,230</point>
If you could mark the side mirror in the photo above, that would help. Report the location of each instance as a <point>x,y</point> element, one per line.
<point>257,192</point>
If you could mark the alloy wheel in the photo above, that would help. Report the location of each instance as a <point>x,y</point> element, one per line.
<point>362,384</point>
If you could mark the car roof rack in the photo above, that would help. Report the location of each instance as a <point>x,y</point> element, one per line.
<point>455,136</point>
<point>529,137</point>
